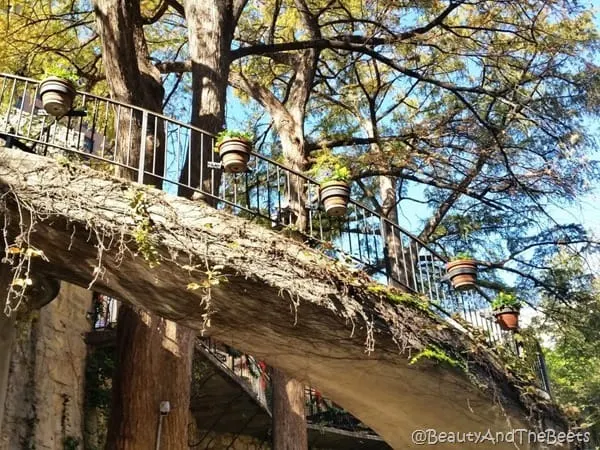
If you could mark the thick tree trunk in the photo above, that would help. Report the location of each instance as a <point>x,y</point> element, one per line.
<point>154,354</point>
<point>132,79</point>
<point>289,418</point>
<point>210,32</point>
<point>154,365</point>
<point>7,337</point>
<point>400,254</point>
<point>293,147</point>
<point>400,257</point>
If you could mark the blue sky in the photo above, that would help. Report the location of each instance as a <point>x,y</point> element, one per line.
<point>586,210</point>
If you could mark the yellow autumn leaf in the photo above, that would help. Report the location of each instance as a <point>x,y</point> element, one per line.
<point>32,252</point>
<point>22,282</point>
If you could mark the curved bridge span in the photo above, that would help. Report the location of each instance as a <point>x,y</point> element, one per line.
<point>283,301</point>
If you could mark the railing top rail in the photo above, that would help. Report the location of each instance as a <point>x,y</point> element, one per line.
<point>256,155</point>
<point>118,103</point>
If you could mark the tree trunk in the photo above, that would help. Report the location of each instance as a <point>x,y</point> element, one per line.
<point>293,147</point>
<point>289,417</point>
<point>7,337</point>
<point>399,253</point>
<point>400,256</point>
<point>154,354</point>
<point>210,32</point>
<point>132,79</point>
<point>154,365</point>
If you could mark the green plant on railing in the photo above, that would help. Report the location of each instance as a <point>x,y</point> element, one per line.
<point>329,167</point>
<point>506,300</point>
<point>435,353</point>
<point>523,364</point>
<point>461,256</point>
<point>230,134</point>
<point>61,72</point>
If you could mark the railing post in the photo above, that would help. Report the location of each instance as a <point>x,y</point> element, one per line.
<point>543,370</point>
<point>386,251</point>
<point>142,156</point>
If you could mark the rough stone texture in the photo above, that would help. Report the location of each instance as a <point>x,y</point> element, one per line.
<point>284,302</point>
<point>208,439</point>
<point>19,416</point>
<point>46,385</point>
<point>230,441</point>
<point>227,441</point>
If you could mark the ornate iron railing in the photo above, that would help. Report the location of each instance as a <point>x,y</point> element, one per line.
<point>167,153</point>
<point>246,369</point>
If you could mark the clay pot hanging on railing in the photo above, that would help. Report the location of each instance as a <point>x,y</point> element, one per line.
<point>507,318</point>
<point>506,308</point>
<point>462,273</point>
<point>57,95</point>
<point>235,148</point>
<point>235,153</point>
<point>335,196</point>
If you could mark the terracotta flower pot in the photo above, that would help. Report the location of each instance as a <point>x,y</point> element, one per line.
<point>57,96</point>
<point>335,196</point>
<point>235,154</point>
<point>507,318</point>
<point>462,274</point>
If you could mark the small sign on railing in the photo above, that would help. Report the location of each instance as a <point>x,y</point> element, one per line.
<point>213,165</point>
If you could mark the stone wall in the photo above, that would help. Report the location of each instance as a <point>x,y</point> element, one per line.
<point>224,441</point>
<point>44,405</point>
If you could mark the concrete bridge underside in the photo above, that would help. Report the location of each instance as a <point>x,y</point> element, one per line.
<point>282,301</point>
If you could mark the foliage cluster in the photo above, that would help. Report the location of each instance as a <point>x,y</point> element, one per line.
<point>231,134</point>
<point>61,72</point>
<point>328,166</point>
<point>143,227</point>
<point>571,336</point>
<point>506,300</point>
<point>461,256</point>
<point>435,353</point>
<point>100,366</point>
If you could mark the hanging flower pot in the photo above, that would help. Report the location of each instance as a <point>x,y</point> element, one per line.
<point>507,318</point>
<point>506,309</point>
<point>57,95</point>
<point>234,149</point>
<point>335,196</point>
<point>462,272</point>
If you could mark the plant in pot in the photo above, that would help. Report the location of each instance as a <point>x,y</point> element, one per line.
<point>234,147</point>
<point>334,190</point>
<point>506,309</point>
<point>462,271</point>
<point>57,91</point>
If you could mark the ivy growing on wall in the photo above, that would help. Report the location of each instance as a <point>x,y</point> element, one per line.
<point>98,376</point>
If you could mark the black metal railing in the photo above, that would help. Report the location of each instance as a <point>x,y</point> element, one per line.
<point>254,374</point>
<point>152,148</point>
<point>105,312</point>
